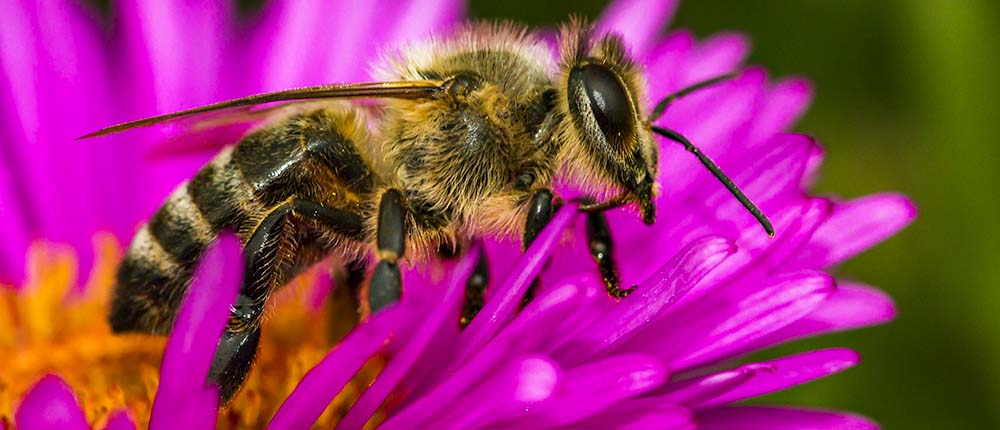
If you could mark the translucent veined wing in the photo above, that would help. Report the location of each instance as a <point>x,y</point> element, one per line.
<point>253,108</point>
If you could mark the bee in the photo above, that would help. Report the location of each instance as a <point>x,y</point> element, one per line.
<point>465,140</point>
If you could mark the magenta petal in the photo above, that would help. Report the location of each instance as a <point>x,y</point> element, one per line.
<point>501,307</point>
<point>697,390</point>
<point>646,414</point>
<point>120,420</point>
<point>778,418</point>
<point>522,336</point>
<point>855,226</point>
<point>639,22</point>
<point>50,404</point>
<point>511,391</point>
<point>596,386</point>
<point>318,388</point>
<point>720,54</point>
<point>656,294</point>
<point>405,359</point>
<point>784,104</point>
<point>787,372</point>
<point>718,325</point>
<point>851,306</point>
<point>180,399</point>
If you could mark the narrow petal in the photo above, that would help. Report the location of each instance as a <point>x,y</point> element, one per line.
<point>855,226</point>
<point>785,373</point>
<point>725,321</point>
<point>318,388</point>
<point>594,387</point>
<point>50,404</point>
<point>522,336</point>
<point>720,54</point>
<point>647,414</point>
<point>511,391</point>
<point>663,66</point>
<point>402,362</point>
<point>776,418</point>
<point>639,22</point>
<point>200,322</point>
<point>786,101</point>
<point>654,295</point>
<point>501,308</point>
<point>120,420</point>
<point>697,390</point>
<point>851,306</point>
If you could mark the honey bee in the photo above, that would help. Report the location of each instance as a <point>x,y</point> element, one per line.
<point>470,131</point>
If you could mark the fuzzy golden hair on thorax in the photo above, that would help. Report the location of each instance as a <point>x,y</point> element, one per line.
<point>602,132</point>
<point>472,155</point>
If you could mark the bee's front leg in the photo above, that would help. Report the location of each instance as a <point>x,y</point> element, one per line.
<point>599,240</point>
<point>387,283</point>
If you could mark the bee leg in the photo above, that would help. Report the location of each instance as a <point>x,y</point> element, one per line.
<point>599,239</point>
<point>238,346</point>
<point>387,284</point>
<point>475,287</point>
<point>344,299</point>
<point>539,214</point>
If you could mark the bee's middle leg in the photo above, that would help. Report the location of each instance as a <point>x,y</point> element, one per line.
<point>386,285</point>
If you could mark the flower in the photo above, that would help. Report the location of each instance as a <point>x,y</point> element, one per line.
<point>712,286</point>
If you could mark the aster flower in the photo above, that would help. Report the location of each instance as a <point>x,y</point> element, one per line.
<point>712,286</point>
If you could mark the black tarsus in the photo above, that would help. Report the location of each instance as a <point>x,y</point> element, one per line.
<point>717,172</point>
<point>602,249</point>
<point>387,283</point>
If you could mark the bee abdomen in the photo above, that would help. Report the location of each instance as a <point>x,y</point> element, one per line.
<point>158,266</point>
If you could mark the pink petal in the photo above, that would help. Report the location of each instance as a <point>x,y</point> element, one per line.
<point>647,414</point>
<point>639,22</point>
<point>402,362</point>
<point>720,54</point>
<point>725,321</point>
<point>318,388</point>
<point>663,65</point>
<point>778,418</point>
<point>851,306</point>
<point>855,226</point>
<point>597,386</point>
<point>652,298</point>
<point>500,308</point>
<point>50,404</point>
<point>181,399</point>
<point>787,372</point>
<point>120,420</point>
<point>786,101</point>
<point>510,391</point>
<point>561,304</point>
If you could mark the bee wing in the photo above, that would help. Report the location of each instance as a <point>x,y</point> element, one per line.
<point>249,109</point>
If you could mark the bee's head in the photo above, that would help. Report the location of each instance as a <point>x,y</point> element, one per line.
<point>605,138</point>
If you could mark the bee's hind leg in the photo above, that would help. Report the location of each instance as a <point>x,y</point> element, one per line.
<point>264,256</point>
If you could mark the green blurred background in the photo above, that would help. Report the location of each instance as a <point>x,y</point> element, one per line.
<point>905,96</point>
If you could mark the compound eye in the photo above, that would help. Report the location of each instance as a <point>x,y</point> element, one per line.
<point>608,101</point>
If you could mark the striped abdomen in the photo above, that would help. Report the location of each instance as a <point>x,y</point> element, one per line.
<point>311,156</point>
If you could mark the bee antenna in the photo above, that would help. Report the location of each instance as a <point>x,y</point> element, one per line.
<point>662,105</point>
<point>717,172</point>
